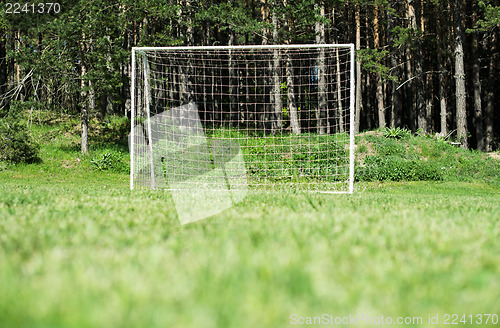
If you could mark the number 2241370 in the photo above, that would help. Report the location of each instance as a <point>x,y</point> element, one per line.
<point>32,8</point>
<point>478,319</point>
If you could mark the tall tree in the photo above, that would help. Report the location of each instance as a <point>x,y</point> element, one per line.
<point>410,93</point>
<point>476,82</point>
<point>358,97</point>
<point>3,65</point>
<point>290,76</point>
<point>443,110</point>
<point>490,96</point>
<point>276,74</point>
<point>339,113</point>
<point>290,88</point>
<point>460,92</point>
<point>415,15</point>
<point>321,71</point>
<point>380,88</point>
<point>84,121</point>
<point>396,101</point>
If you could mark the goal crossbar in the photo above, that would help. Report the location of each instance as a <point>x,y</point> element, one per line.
<point>242,47</point>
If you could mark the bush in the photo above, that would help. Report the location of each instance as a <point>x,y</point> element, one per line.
<point>312,157</point>
<point>115,130</point>
<point>396,133</point>
<point>393,168</point>
<point>111,160</point>
<point>16,143</point>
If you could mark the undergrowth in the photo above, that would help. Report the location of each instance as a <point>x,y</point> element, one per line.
<point>420,158</point>
<point>390,155</point>
<point>59,151</point>
<point>16,143</point>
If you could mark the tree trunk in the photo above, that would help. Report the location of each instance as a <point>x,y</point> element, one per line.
<point>291,103</point>
<point>380,91</point>
<point>233,104</point>
<point>395,92</point>
<point>340,107</point>
<point>490,96</point>
<point>3,69</point>
<point>17,66</point>
<point>442,79</point>
<point>429,92</point>
<point>292,110</point>
<point>476,81</point>
<point>264,12</point>
<point>320,63</point>
<point>414,11</point>
<point>84,113</point>
<point>84,98</point>
<point>185,89</point>
<point>409,92</point>
<point>338,115</point>
<point>277,77</point>
<point>357,115</point>
<point>189,27</point>
<point>460,93</point>
<point>91,97</point>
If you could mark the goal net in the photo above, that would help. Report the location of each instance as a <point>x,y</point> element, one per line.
<point>238,117</point>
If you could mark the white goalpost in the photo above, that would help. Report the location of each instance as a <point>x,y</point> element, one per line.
<point>237,117</point>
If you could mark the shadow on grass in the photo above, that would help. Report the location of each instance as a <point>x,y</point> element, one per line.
<point>70,148</point>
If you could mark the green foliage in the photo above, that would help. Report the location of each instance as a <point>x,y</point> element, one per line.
<point>88,33</point>
<point>103,162</point>
<point>110,160</point>
<point>372,61</point>
<point>302,157</point>
<point>233,17</point>
<point>395,168</point>
<point>114,129</point>
<point>306,157</point>
<point>403,36</point>
<point>421,157</point>
<point>16,142</point>
<point>491,17</point>
<point>396,133</point>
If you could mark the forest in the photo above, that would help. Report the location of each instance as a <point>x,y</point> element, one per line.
<point>431,66</point>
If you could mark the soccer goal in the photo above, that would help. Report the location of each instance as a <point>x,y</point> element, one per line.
<point>233,117</point>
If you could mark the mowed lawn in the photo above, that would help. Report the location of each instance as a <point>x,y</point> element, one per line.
<point>81,250</point>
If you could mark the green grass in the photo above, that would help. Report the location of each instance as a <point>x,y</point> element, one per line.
<point>421,158</point>
<point>79,249</point>
<point>287,157</point>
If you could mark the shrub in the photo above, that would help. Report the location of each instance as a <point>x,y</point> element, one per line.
<point>111,160</point>
<point>309,158</point>
<point>394,168</point>
<point>16,143</point>
<point>396,133</point>
<point>114,130</point>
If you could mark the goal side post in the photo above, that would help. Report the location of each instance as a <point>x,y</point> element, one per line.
<point>352,104</point>
<point>132,120</point>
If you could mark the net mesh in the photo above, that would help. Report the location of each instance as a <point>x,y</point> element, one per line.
<point>237,118</point>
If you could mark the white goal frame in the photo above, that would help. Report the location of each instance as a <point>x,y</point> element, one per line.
<point>138,52</point>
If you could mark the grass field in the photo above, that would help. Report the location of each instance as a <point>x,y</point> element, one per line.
<point>79,249</point>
